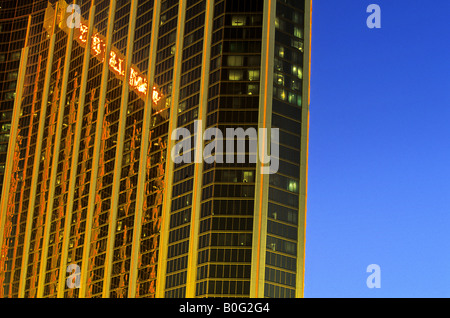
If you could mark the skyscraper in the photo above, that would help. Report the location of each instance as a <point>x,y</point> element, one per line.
<point>93,204</point>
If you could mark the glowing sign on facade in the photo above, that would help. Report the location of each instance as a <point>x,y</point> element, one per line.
<point>98,46</point>
<point>138,82</point>
<point>156,96</point>
<point>83,32</point>
<point>116,63</point>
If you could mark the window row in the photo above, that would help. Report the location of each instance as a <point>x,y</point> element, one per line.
<point>179,234</point>
<point>176,279</point>
<point>282,230</point>
<point>224,271</point>
<point>289,83</point>
<point>227,207</point>
<point>243,19</point>
<point>278,212</point>
<point>289,28</point>
<point>178,249</point>
<point>289,53</point>
<point>180,203</point>
<point>280,277</point>
<point>187,117</point>
<point>240,75</point>
<point>283,197</point>
<point>291,155</point>
<point>192,24</point>
<point>222,117</point>
<point>274,291</point>
<point>282,66</point>
<point>232,287</point>
<point>226,224</point>
<point>176,293</point>
<point>242,33</point>
<point>234,102</point>
<point>279,245</point>
<point>195,9</point>
<point>242,46</point>
<point>182,188</point>
<point>238,89</point>
<point>227,255</point>
<point>15,56</point>
<point>230,239</point>
<point>233,176</point>
<point>292,13</point>
<point>227,190</point>
<point>177,264</point>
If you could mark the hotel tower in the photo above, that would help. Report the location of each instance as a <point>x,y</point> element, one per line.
<point>92,204</point>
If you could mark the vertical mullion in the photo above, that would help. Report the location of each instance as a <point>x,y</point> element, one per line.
<point>262,182</point>
<point>301,246</point>
<point>198,170</point>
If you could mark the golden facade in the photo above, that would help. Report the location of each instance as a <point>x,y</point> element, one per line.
<point>89,182</point>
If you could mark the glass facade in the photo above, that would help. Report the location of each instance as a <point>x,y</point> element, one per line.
<point>183,174</point>
<point>17,213</point>
<point>228,189</point>
<point>13,29</point>
<point>284,186</point>
<point>90,180</point>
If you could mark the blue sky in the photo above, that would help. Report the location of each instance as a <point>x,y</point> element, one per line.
<point>379,150</point>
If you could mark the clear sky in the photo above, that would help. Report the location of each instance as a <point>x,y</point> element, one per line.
<point>379,150</point>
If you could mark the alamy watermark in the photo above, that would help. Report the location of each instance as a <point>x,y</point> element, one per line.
<point>74,279</point>
<point>374,279</point>
<point>221,147</point>
<point>73,20</point>
<point>374,19</point>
